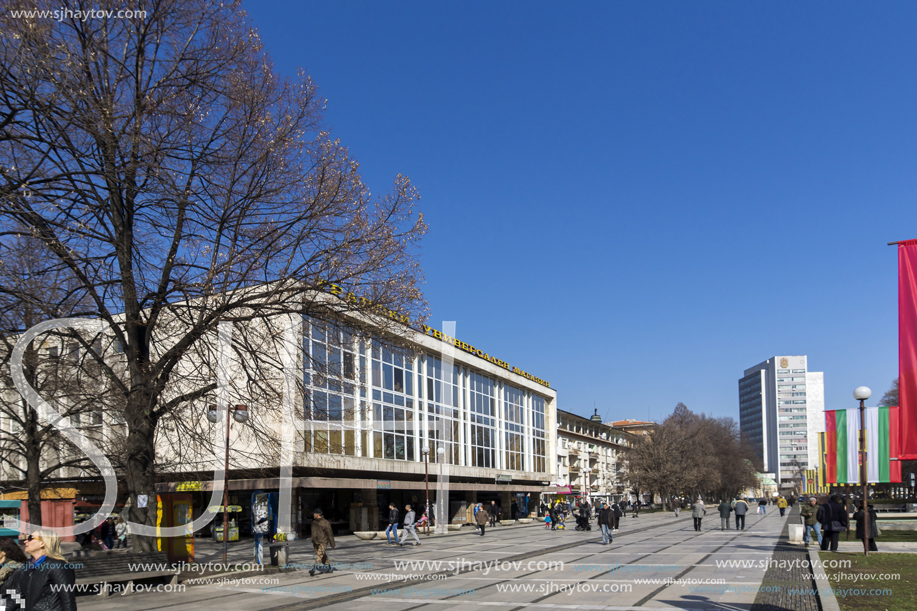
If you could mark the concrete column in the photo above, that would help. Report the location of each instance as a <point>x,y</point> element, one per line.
<point>462,415</point>
<point>418,404</point>
<point>527,437</point>
<point>466,394</point>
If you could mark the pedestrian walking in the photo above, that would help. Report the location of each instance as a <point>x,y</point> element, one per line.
<point>121,533</point>
<point>676,506</point>
<point>636,512</point>
<point>762,506</point>
<point>698,514</point>
<point>547,521</point>
<point>606,523</point>
<point>617,514</point>
<point>741,509</point>
<point>725,510</point>
<point>409,526</point>
<point>47,583</point>
<point>13,563</point>
<point>494,510</point>
<point>809,515</point>
<point>781,505</point>
<point>834,519</point>
<point>482,519</point>
<point>873,525</point>
<point>393,518</point>
<point>322,539</point>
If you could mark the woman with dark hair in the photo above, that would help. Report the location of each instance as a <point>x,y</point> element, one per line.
<point>873,525</point>
<point>12,562</point>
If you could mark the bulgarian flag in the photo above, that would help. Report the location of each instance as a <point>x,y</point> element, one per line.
<point>842,445</point>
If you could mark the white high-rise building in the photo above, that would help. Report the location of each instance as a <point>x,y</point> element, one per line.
<point>781,406</point>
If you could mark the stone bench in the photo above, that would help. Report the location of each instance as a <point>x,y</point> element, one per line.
<point>111,567</point>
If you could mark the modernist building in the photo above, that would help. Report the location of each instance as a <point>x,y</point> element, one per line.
<point>781,406</point>
<point>590,457</point>
<point>366,407</point>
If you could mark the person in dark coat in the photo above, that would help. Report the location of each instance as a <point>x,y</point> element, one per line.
<point>13,563</point>
<point>740,507</point>
<point>606,523</point>
<point>393,518</point>
<point>873,525</point>
<point>725,510</point>
<point>322,540</point>
<point>617,514</point>
<point>833,519</point>
<point>46,573</point>
<point>494,511</point>
<point>482,519</point>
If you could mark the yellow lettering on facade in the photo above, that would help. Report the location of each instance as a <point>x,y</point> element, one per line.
<point>335,289</point>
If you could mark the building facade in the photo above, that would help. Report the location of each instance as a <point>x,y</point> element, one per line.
<point>365,408</point>
<point>590,457</point>
<point>781,406</point>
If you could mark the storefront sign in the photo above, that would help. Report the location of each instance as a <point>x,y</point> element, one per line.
<point>338,290</point>
<point>383,484</point>
<point>188,486</point>
<point>430,331</point>
<point>504,479</point>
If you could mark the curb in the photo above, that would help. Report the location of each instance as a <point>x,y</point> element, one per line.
<point>825,595</point>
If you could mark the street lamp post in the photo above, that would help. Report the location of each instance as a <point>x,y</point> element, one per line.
<point>426,484</point>
<point>861,394</point>
<point>240,415</point>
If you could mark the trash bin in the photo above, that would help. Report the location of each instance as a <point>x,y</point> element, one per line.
<point>279,554</point>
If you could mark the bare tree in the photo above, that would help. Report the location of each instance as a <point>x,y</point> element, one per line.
<point>692,454</point>
<point>890,397</point>
<point>182,183</point>
<point>31,448</point>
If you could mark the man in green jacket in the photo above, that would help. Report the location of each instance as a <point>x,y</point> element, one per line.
<point>809,513</point>
<point>725,509</point>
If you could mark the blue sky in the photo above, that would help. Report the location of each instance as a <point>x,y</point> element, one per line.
<point>638,200</point>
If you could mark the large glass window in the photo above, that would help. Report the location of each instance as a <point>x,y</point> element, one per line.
<point>538,446</point>
<point>483,424</point>
<point>393,403</point>
<point>442,413</point>
<point>513,414</point>
<point>330,402</point>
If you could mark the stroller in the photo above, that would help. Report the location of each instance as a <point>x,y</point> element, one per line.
<point>582,522</point>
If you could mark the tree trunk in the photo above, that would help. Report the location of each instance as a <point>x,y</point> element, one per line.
<point>141,473</point>
<point>33,479</point>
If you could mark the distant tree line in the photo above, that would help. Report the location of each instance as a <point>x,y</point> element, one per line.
<point>693,455</point>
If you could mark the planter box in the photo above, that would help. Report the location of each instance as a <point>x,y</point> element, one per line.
<point>507,522</point>
<point>525,520</point>
<point>455,526</point>
<point>366,535</point>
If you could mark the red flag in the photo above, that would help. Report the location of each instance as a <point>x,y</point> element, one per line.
<point>907,348</point>
<point>831,446</point>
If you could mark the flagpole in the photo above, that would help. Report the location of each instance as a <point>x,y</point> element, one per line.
<point>847,507</point>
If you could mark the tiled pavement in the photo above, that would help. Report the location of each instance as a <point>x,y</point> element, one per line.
<point>653,547</point>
